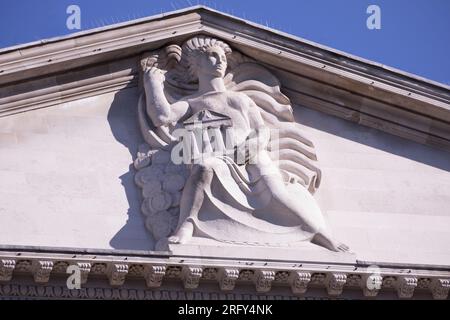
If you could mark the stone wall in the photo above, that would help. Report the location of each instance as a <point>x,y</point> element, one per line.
<point>386,197</point>
<point>66,175</point>
<point>66,180</point>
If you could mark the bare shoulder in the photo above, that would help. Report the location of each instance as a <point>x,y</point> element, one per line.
<point>240,95</point>
<point>240,98</point>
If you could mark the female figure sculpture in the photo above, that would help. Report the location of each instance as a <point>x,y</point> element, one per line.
<point>263,198</point>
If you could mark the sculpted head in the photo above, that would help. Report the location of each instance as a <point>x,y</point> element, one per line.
<point>206,57</point>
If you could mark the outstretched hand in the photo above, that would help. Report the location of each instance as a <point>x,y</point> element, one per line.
<point>152,66</point>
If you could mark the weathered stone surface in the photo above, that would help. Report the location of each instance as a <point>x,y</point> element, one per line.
<point>233,139</point>
<point>69,136</point>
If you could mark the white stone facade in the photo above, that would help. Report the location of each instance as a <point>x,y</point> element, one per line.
<point>69,134</point>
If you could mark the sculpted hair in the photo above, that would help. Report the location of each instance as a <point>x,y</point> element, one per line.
<point>196,46</point>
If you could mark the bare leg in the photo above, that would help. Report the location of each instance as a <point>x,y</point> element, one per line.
<point>191,202</point>
<point>304,206</point>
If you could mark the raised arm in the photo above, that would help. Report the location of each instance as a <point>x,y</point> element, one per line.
<point>160,111</point>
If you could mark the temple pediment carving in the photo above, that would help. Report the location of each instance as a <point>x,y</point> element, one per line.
<point>199,147</point>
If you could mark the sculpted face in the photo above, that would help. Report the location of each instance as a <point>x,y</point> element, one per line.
<point>213,62</point>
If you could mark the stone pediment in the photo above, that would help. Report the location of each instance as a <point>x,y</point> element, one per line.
<point>313,75</point>
<point>90,206</point>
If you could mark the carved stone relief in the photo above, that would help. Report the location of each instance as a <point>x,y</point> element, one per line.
<point>224,158</point>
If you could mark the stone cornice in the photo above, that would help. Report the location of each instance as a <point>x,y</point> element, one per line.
<point>154,271</point>
<point>312,75</point>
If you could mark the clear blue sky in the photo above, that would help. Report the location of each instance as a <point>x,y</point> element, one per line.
<point>414,34</point>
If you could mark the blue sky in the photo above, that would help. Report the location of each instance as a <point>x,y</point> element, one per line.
<point>414,34</point>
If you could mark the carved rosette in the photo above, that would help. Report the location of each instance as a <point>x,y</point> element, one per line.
<point>318,278</point>
<point>300,282</point>
<point>136,270</point>
<point>209,273</point>
<point>246,275</point>
<point>353,280</point>
<point>60,267</point>
<point>99,268</point>
<point>389,282</point>
<point>6,269</point>
<point>282,276</point>
<point>173,271</point>
<point>24,266</point>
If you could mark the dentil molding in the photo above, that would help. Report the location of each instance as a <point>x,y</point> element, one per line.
<point>336,279</point>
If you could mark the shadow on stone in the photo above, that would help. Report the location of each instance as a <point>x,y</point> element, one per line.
<point>122,118</point>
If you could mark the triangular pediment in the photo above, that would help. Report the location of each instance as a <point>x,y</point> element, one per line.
<point>85,176</point>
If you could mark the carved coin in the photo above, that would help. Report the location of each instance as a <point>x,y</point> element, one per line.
<point>151,187</point>
<point>173,183</point>
<point>159,201</point>
<point>147,174</point>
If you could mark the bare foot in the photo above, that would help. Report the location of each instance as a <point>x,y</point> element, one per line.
<point>329,243</point>
<point>184,233</point>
